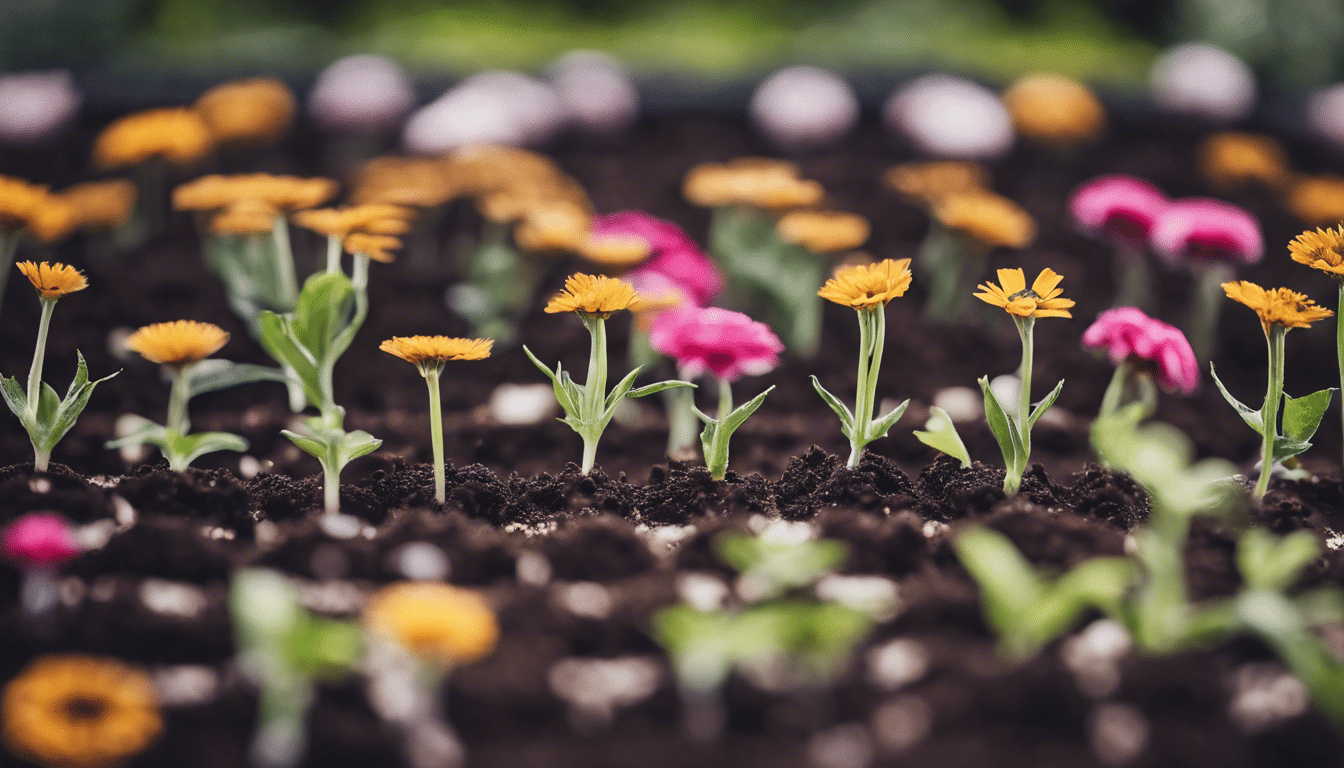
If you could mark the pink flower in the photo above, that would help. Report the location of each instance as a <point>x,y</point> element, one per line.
<point>1199,228</point>
<point>38,539</point>
<point>728,344</point>
<point>1121,208</point>
<point>1126,332</point>
<point>675,254</point>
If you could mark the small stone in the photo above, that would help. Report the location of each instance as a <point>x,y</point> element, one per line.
<point>961,403</point>
<point>901,723</point>
<point>702,591</point>
<point>897,663</point>
<point>172,598</point>
<point>522,404</point>
<point>421,561</point>
<point>340,526</point>
<point>874,595</point>
<point>1118,732</point>
<point>533,569</point>
<point>585,598</point>
<point>843,746</point>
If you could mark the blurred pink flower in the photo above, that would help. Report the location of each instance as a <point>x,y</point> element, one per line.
<point>38,539</point>
<point>1119,207</point>
<point>1200,228</point>
<point>1126,332</point>
<point>675,254</point>
<point>728,344</point>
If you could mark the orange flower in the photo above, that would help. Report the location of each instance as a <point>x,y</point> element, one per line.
<point>245,217</point>
<point>284,193</point>
<point>1054,108</point>
<point>412,181</point>
<point>595,295</point>
<point>376,247</point>
<point>435,621</point>
<point>928,183</point>
<point>369,219</point>
<point>436,350</point>
<point>1276,306</point>
<point>751,181</point>
<point>256,111</point>
<point>553,226</point>
<point>990,219</point>
<point>864,286</point>
<point>177,134</point>
<point>1317,200</point>
<point>177,343</point>
<point>53,281</point>
<point>1322,249</point>
<point>823,231</point>
<point>18,201</point>
<point>1041,300</point>
<point>1231,159</point>
<point>617,251</point>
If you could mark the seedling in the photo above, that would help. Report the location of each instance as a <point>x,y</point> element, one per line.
<point>1324,250</point>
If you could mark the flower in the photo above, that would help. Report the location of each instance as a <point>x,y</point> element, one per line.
<point>949,117</point>
<point>1054,108</point>
<point>1322,249</point>
<point>100,205</point>
<point>53,281</point>
<point>245,217</point>
<point>1317,200</point>
<point>418,182</point>
<point>1122,208</point>
<point>616,250</point>
<point>177,343</point>
<point>1276,306</point>
<point>38,539</point>
<point>750,181</point>
<point>18,201</point>
<point>284,193</point>
<point>988,218</point>
<point>438,622</point>
<point>1231,159</point>
<point>1205,229</point>
<point>177,134</point>
<point>1041,300</point>
<point>553,226</point>
<point>865,286</point>
<point>598,296</point>
<point>823,231</point>
<point>255,111</point>
<point>927,183</point>
<point>676,256</point>
<point>369,219</point>
<point>1126,333</point>
<point>728,344</point>
<point>436,350</point>
<point>75,711</point>
<point>376,247</point>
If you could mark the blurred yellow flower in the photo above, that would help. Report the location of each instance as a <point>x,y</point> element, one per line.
<point>1054,108</point>
<point>376,247</point>
<point>928,183</point>
<point>176,134</point>
<point>437,622</point>
<point>823,231</point>
<point>988,218</point>
<point>255,111</point>
<point>1317,200</point>
<point>1231,159</point>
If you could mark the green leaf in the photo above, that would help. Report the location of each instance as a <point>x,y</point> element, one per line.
<point>563,389</point>
<point>1248,415</point>
<point>941,435</point>
<point>1301,418</point>
<point>621,389</point>
<point>47,403</point>
<point>142,431</point>
<point>16,399</point>
<point>1045,404</point>
<point>276,336</point>
<point>743,412</point>
<point>1005,430</point>
<point>69,409</point>
<point>310,445</point>
<point>1009,586</point>
<point>840,409</point>
<point>185,449</point>
<point>656,387</point>
<point>214,375</point>
<point>881,426</point>
<point>323,307</point>
<point>1269,562</point>
<point>356,444</point>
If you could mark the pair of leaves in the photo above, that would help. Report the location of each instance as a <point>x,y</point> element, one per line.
<point>714,439</point>
<point>331,444</point>
<point>318,331</point>
<point>269,619</point>
<point>54,415</point>
<point>1301,418</point>
<point>180,450</point>
<point>572,396</point>
<point>782,565</point>
<point>1014,442</point>
<point>1274,563</point>
<point>877,428</point>
<point>941,435</point>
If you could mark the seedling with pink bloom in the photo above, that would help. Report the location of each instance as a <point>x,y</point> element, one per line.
<point>727,345</point>
<point>1121,210</point>
<point>1211,238</point>
<point>1143,350</point>
<point>38,543</point>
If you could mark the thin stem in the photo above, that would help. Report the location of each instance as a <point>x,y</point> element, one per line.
<point>176,422</point>
<point>1339,346</point>
<point>716,458</point>
<point>1115,391</point>
<point>683,428</point>
<point>1207,307</point>
<point>1012,478</point>
<point>1133,276</point>
<point>333,254</point>
<point>288,282</point>
<point>436,431</point>
<point>9,242</point>
<point>725,398</point>
<point>1269,415</point>
<point>863,409</point>
<point>594,389</point>
<point>331,484</point>
<point>39,357</point>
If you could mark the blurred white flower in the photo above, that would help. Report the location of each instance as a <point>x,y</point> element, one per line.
<point>1325,114</point>
<point>805,107</point>
<point>946,116</point>
<point>35,105</point>
<point>364,93</point>
<point>1203,80</point>
<point>596,91</point>
<point>494,107</point>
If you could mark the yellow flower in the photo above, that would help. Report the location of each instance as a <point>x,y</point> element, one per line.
<point>1276,306</point>
<point>483,168</point>
<point>618,251</point>
<point>991,219</point>
<point>1322,249</point>
<point>256,111</point>
<point>376,247</point>
<point>596,295</point>
<point>553,226</point>
<point>53,281</point>
<point>55,219</point>
<point>1231,159</point>
<point>71,711</point>
<point>100,205</point>
<point>823,231</point>
<point>418,182</point>
<point>284,193</point>
<point>177,134</point>
<point>1041,300</point>
<point>928,183</point>
<point>436,350</point>
<point>18,201</point>
<point>177,343</point>
<point>1054,108</point>
<point>1317,200</point>
<point>245,217</point>
<point>435,621</point>
<point>864,286</point>
<point>369,219</point>
<point>751,181</point>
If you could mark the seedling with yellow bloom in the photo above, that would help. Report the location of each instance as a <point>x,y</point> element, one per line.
<point>1012,430</point>
<point>20,204</point>
<point>866,288</point>
<point>180,346</point>
<point>589,407</point>
<point>1324,250</point>
<point>45,415</point>
<point>977,222</point>
<point>1280,310</point>
<point>429,354</point>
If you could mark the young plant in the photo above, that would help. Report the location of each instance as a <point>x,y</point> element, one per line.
<point>589,407</point>
<point>38,544</point>
<point>1145,352</point>
<point>429,354</point>
<point>1324,250</point>
<point>20,205</point>
<point>1121,210</point>
<point>1280,310</point>
<point>813,240</point>
<point>727,345</point>
<point>179,346</point>
<point>1012,430</point>
<point>866,288</point>
<point>977,222</point>
<point>46,416</point>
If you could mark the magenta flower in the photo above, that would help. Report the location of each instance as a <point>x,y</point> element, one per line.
<point>1126,333</point>
<point>39,539</point>
<point>675,254</point>
<point>1118,207</point>
<point>1200,228</point>
<point>728,344</point>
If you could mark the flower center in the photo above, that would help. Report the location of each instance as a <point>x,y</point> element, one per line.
<point>1025,293</point>
<point>84,708</point>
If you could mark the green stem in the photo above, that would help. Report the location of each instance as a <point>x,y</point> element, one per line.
<point>176,423</point>
<point>863,408</point>
<point>1115,391</point>
<point>683,428</point>
<point>436,431</point>
<point>39,357</point>
<point>594,389</point>
<point>331,483</point>
<point>333,254</point>
<point>1207,307</point>
<point>1269,414</point>
<point>717,457</point>
<point>9,242</point>
<point>1339,347</point>
<point>286,278</point>
<point>1012,479</point>
<point>1132,275</point>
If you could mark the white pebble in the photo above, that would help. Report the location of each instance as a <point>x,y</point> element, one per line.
<point>804,107</point>
<point>702,591</point>
<point>185,684</point>
<point>961,403</point>
<point>1006,388</point>
<point>493,107</point>
<point>1265,694</point>
<point>901,723</point>
<point>1203,80</point>
<point>950,117</point>
<point>421,561</point>
<point>585,598</point>
<point>874,595</point>
<point>533,569</point>
<point>248,467</point>
<point>340,526</point>
<point>596,688</point>
<point>897,663</point>
<point>1118,732</point>
<point>35,105</point>
<point>843,746</point>
<point>522,404</point>
<point>172,598</point>
<point>1325,114</point>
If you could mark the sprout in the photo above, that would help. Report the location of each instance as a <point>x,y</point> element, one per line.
<point>866,288</point>
<point>1323,250</point>
<point>38,543</point>
<point>589,407</point>
<point>1280,310</point>
<point>45,415</point>
<point>179,346</point>
<point>429,354</point>
<point>1122,210</point>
